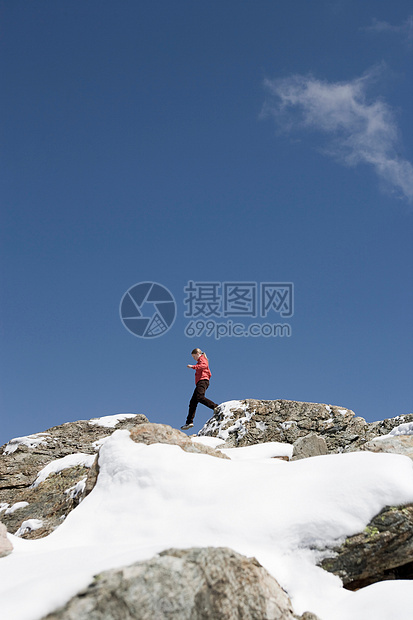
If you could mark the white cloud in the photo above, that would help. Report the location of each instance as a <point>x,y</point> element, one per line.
<point>405,29</point>
<point>360,131</point>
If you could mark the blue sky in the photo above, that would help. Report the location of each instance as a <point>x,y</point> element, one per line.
<point>265,142</point>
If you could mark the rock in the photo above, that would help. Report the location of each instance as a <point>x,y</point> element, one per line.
<point>310,445</point>
<point>398,444</point>
<point>251,421</point>
<point>384,550</point>
<point>183,584</point>
<point>5,545</point>
<point>162,433</point>
<point>383,427</point>
<point>248,422</point>
<point>52,500</point>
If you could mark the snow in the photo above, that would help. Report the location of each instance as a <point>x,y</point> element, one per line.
<point>259,451</point>
<point>226,409</point>
<point>3,506</point>
<point>261,426</point>
<point>79,487</point>
<point>30,441</point>
<point>99,443</point>
<point>29,526</point>
<point>152,497</point>
<point>397,431</point>
<point>212,442</point>
<point>16,506</point>
<point>71,460</point>
<point>268,450</point>
<point>110,421</point>
<point>402,429</point>
<point>286,425</point>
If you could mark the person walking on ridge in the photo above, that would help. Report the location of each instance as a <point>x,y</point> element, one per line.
<point>202,376</point>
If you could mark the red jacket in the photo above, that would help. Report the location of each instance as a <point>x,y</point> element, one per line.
<point>202,369</point>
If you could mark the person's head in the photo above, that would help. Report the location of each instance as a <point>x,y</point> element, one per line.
<point>196,354</point>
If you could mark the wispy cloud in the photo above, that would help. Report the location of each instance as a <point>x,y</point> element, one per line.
<point>359,131</point>
<point>405,30</point>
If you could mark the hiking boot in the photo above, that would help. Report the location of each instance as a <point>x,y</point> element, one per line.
<point>186,426</point>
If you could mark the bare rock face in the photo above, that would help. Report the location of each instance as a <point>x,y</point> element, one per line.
<point>5,545</point>
<point>384,550</point>
<point>35,511</point>
<point>183,584</point>
<point>258,421</point>
<point>162,433</point>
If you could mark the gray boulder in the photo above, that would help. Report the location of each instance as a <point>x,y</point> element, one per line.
<point>50,502</point>
<point>384,550</point>
<point>183,584</point>
<point>310,445</point>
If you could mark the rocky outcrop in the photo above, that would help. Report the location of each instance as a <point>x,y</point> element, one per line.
<point>183,584</point>
<point>41,508</point>
<point>384,550</point>
<point>5,545</point>
<point>247,422</point>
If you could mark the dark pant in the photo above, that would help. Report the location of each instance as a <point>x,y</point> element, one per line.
<point>199,397</point>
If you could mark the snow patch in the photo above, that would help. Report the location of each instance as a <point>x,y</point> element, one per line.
<point>78,488</point>
<point>110,421</point>
<point>405,429</point>
<point>342,411</point>
<point>261,426</point>
<point>99,442</point>
<point>267,450</point>
<point>15,507</point>
<point>31,441</point>
<point>226,410</point>
<point>4,506</point>
<point>402,429</point>
<point>29,526</point>
<point>71,460</point>
<point>286,425</point>
<point>212,442</point>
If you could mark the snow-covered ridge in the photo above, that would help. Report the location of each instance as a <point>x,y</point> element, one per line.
<point>152,497</point>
